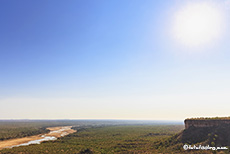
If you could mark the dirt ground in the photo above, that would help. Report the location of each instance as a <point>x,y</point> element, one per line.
<point>54,131</point>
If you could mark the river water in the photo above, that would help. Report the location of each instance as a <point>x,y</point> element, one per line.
<point>45,138</point>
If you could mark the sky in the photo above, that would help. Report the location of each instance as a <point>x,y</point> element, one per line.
<point>113,59</point>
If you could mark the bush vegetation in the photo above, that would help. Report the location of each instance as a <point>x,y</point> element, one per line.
<point>105,140</point>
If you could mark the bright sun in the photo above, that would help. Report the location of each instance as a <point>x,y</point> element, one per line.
<point>198,24</point>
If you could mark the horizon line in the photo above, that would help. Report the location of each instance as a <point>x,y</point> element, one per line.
<point>91,119</point>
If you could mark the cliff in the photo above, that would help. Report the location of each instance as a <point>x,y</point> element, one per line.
<point>200,131</point>
<point>206,122</point>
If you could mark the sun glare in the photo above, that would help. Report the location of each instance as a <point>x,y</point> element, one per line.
<point>198,24</point>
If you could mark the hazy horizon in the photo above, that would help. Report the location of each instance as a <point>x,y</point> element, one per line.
<point>152,60</point>
<point>92,119</point>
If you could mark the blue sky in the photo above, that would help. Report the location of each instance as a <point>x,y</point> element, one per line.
<point>106,60</point>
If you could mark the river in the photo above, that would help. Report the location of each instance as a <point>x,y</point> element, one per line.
<point>55,132</point>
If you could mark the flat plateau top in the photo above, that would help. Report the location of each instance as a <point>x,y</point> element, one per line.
<point>209,118</point>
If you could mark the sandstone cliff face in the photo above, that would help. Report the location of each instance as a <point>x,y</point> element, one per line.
<point>204,123</point>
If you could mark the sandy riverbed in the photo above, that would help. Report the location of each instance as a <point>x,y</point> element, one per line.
<point>55,132</point>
